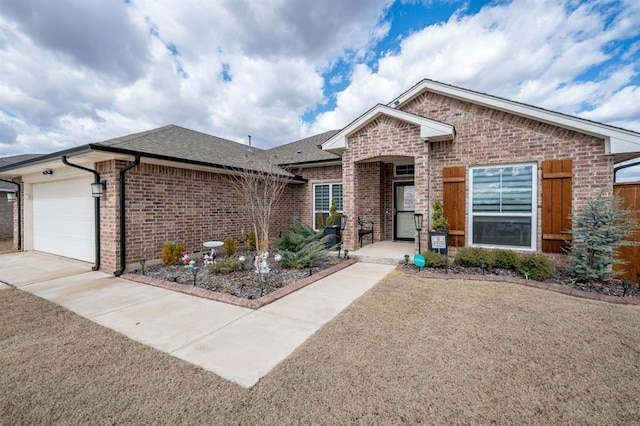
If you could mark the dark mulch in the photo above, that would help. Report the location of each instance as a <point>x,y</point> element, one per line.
<point>560,276</point>
<point>243,283</point>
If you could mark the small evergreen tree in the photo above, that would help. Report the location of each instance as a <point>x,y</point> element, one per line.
<point>602,226</point>
<point>333,214</point>
<point>438,221</point>
<point>300,246</point>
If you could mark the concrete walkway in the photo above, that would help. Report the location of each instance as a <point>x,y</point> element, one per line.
<point>239,344</point>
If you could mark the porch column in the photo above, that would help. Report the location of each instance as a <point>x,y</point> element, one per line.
<point>422,196</point>
<point>349,191</point>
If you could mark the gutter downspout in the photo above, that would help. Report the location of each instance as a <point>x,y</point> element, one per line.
<point>19,199</point>
<point>123,240</point>
<point>96,210</point>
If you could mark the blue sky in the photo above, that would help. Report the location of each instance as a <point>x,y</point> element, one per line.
<point>77,71</point>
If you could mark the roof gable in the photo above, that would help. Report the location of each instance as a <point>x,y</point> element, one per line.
<point>617,141</point>
<point>430,130</point>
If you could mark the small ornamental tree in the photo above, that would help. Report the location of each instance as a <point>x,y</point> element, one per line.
<point>602,226</point>
<point>260,187</point>
<point>333,214</point>
<point>438,221</point>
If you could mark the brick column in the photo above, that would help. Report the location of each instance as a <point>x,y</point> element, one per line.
<point>349,191</point>
<point>422,195</point>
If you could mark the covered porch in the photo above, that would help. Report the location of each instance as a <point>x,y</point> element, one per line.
<point>384,252</point>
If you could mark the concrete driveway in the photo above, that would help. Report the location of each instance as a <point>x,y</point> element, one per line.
<point>239,344</point>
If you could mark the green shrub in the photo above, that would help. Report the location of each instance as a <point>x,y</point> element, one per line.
<point>434,260</point>
<point>171,253</point>
<point>300,246</point>
<point>230,246</point>
<point>471,257</point>
<point>251,241</point>
<point>224,266</point>
<point>438,221</point>
<point>601,227</point>
<point>333,214</point>
<point>505,259</point>
<point>535,266</point>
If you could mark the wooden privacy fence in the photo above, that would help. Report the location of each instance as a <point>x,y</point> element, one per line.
<point>629,193</point>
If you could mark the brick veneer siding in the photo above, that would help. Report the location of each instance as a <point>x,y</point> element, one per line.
<point>169,204</point>
<point>483,137</point>
<point>6,217</point>
<point>303,194</point>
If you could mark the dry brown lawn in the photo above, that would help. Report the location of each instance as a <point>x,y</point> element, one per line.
<point>410,350</point>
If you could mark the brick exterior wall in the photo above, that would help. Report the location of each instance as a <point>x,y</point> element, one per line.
<point>6,217</point>
<point>303,194</point>
<point>483,137</point>
<point>169,204</point>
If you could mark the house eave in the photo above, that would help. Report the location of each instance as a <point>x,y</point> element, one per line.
<point>616,140</point>
<point>88,154</point>
<point>430,130</point>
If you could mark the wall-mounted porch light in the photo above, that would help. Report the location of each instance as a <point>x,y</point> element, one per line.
<point>12,196</point>
<point>97,188</point>
<point>417,218</point>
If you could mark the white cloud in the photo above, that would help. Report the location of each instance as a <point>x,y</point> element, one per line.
<point>73,72</point>
<point>532,51</point>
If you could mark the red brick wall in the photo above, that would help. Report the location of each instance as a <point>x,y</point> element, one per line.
<point>303,194</point>
<point>483,137</point>
<point>168,204</point>
<point>6,217</point>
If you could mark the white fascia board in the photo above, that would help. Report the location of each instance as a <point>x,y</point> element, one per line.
<point>429,129</point>
<point>616,140</point>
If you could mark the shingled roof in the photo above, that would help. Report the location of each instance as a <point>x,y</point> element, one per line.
<point>5,161</point>
<point>304,150</point>
<point>179,143</point>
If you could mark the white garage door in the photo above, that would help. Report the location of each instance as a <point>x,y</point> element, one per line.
<point>63,218</point>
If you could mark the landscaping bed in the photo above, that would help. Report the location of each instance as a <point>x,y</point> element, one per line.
<point>559,279</point>
<point>239,284</point>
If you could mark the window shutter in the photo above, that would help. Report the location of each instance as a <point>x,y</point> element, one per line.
<point>453,201</point>
<point>557,194</point>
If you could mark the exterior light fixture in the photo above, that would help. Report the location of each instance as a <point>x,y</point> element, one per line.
<point>97,188</point>
<point>444,262</point>
<point>194,271</point>
<point>406,260</point>
<point>417,219</point>
<point>12,196</point>
<point>278,259</point>
<point>142,262</point>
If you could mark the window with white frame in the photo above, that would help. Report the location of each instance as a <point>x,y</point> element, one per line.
<point>503,206</point>
<point>323,193</point>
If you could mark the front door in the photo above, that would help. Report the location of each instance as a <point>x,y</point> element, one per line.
<point>403,203</point>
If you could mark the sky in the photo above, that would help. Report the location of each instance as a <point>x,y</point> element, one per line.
<point>74,72</point>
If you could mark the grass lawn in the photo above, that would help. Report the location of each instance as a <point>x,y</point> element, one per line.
<point>409,350</point>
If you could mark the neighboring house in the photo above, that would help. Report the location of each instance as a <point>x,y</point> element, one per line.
<point>510,175</point>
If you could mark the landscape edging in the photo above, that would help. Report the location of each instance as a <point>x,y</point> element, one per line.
<point>529,283</point>
<point>234,300</point>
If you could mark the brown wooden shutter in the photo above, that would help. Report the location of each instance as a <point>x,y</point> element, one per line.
<point>557,193</point>
<point>453,201</point>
